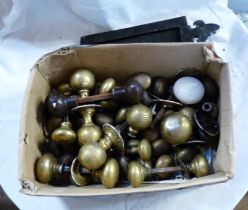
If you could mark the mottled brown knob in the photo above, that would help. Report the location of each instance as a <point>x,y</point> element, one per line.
<point>139,117</point>
<point>64,134</point>
<point>83,81</point>
<point>176,128</point>
<point>160,147</point>
<point>186,154</point>
<point>144,79</point>
<point>151,134</point>
<point>162,162</point>
<point>53,123</point>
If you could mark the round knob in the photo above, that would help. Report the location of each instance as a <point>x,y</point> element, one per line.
<point>160,147</point>
<point>89,132</point>
<point>136,173</point>
<point>188,90</point>
<point>145,150</point>
<point>110,173</point>
<point>102,118</point>
<point>144,79</point>
<point>121,115</point>
<point>211,89</point>
<point>160,87</point>
<point>139,117</point>
<point>134,92</point>
<point>186,154</point>
<point>189,112</point>
<point>92,156</point>
<point>106,87</point>
<point>82,80</point>
<point>46,168</point>
<point>57,104</point>
<point>176,128</point>
<point>52,123</point>
<point>162,162</point>
<point>65,89</point>
<point>64,134</point>
<point>199,166</point>
<point>151,134</point>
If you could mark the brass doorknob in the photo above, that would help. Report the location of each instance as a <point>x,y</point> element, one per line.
<point>139,117</point>
<point>89,132</point>
<point>176,128</point>
<point>93,155</point>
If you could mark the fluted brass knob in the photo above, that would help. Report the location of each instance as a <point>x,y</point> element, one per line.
<point>77,177</point>
<point>176,128</point>
<point>83,81</point>
<point>162,162</point>
<point>121,115</point>
<point>46,168</point>
<point>93,155</point>
<point>109,174</point>
<point>199,166</point>
<point>144,79</point>
<point>89,132</point>
<point>64,134</point>
<point>65,89</point>
<point>139,117</point>
<point>143,148</point>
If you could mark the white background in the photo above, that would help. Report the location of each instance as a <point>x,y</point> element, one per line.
<point>30,29</point>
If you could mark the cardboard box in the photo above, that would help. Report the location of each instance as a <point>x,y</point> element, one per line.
<point>120,61</point>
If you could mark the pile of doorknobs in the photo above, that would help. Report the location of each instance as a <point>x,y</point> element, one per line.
<point>114,133</point>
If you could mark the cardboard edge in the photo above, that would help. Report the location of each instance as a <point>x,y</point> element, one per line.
<point>219,178</point>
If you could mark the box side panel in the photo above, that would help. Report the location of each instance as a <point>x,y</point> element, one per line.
<point>226,152</point>
<point>99,190</point>
<point>31,134</point>
<point>110,60</point>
